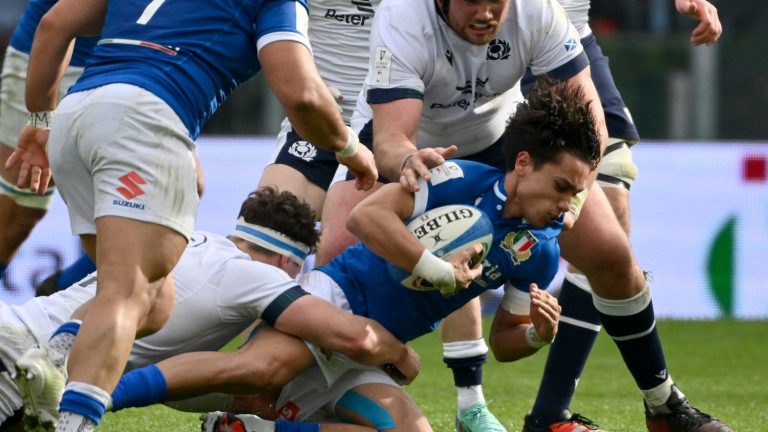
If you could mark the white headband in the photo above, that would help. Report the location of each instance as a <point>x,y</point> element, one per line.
<point>272,240</point>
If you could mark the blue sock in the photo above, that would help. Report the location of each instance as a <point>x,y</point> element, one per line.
<point>467,372</point>
<point>633,329</point>
<point>3,266</point>
<point>76,271</point>
<point>84,402</point>
<point>286,426</point>
<point>578,329</point>
<point>140,387</point>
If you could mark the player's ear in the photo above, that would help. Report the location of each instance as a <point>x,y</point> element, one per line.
<point>523,163</point>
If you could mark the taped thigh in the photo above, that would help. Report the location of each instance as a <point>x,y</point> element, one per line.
<point>26,198</point>
<point>617,169</point>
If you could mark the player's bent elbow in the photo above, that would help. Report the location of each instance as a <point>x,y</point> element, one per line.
<point>304,102</point>
<point>353,221</point>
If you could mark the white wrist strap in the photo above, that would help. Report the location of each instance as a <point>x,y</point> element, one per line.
<point>533,339</point>
<point>352,142</point>
<point>40,120</point>
<point>435,270</point>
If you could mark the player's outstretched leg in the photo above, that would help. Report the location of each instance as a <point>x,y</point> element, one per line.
<point>678,415</point>
<point>41,385</point>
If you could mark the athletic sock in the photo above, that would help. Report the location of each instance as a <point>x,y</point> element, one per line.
<point>82,400</point>
<point>72,422</point>
<point>76,271</point>
<point>286,426</point>
<point>61,342</point>
<point>576,334</point>
<point>466,359</point>
<point>140,387</point>
<point>632,325</point>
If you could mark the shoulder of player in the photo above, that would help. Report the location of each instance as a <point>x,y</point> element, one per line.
<point>406,16</point>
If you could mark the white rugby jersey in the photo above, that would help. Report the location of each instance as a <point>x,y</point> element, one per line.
<point>339,32</point>
<point>469,91</point>
<point>578,13</point>
<point>220,291</point>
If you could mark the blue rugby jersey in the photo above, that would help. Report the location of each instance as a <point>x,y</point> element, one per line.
<point>25,32</point>
<point>191,54</point>
<point>521,254</point>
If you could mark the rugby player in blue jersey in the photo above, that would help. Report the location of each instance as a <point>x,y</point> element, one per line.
<point>122,151</point>
<point>552,147</point>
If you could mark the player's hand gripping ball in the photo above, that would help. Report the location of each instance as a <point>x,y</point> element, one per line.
<point>444,231</point>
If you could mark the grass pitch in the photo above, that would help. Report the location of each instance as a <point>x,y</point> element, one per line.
<point>721,365</point>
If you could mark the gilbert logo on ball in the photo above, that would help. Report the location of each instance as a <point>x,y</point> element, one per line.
<point>445,231</point>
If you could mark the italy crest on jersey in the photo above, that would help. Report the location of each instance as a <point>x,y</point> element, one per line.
<point>519,245</point>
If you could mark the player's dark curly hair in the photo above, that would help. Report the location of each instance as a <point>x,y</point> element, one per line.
<point>282,212</point>
<point>553,120</point>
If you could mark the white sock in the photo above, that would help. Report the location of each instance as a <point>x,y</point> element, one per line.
<point>71,422</point>
<point>468,396</point>
<point>658,395</point>
<point>60,345</point>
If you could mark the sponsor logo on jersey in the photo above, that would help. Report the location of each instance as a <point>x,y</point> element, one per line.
<point>288,411</point>
<point>449,56</point>
<point>303,150</point>
<point>130,188</point>
<point>461,103</point>
<point>467,88</point>
<point>124,203</point>
<point>498,49</point>
<point>364,5</point>
<point>519,245</point>
<point>352,19</point>
<point>571,44</point>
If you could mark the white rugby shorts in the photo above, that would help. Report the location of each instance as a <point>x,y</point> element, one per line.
<point>119,150</point>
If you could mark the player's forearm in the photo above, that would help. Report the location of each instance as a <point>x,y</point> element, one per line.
<point>390,151</point>
<point>377,345</point>
<point>386,236</point>
<point>317,119</point>
<point>48,60</point>
<point>378,222</point>
<point>308,104</point>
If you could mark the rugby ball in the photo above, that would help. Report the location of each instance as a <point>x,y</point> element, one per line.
<point>444,231</point>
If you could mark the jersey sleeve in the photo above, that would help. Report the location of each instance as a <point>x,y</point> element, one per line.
<point>398,59</point>
<point>557,50</point>
<point>247,288</point>
<point>282,20</point>
<point>515,301</point>
<point>540,268</point>
<point>454,182</point>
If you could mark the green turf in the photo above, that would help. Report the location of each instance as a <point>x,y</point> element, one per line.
<point>721,365</point>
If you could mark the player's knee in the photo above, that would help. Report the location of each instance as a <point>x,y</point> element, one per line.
<point>613,263</point>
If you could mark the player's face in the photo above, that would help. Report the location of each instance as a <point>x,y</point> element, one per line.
<point>545,192</point>
<point>477,21</point>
